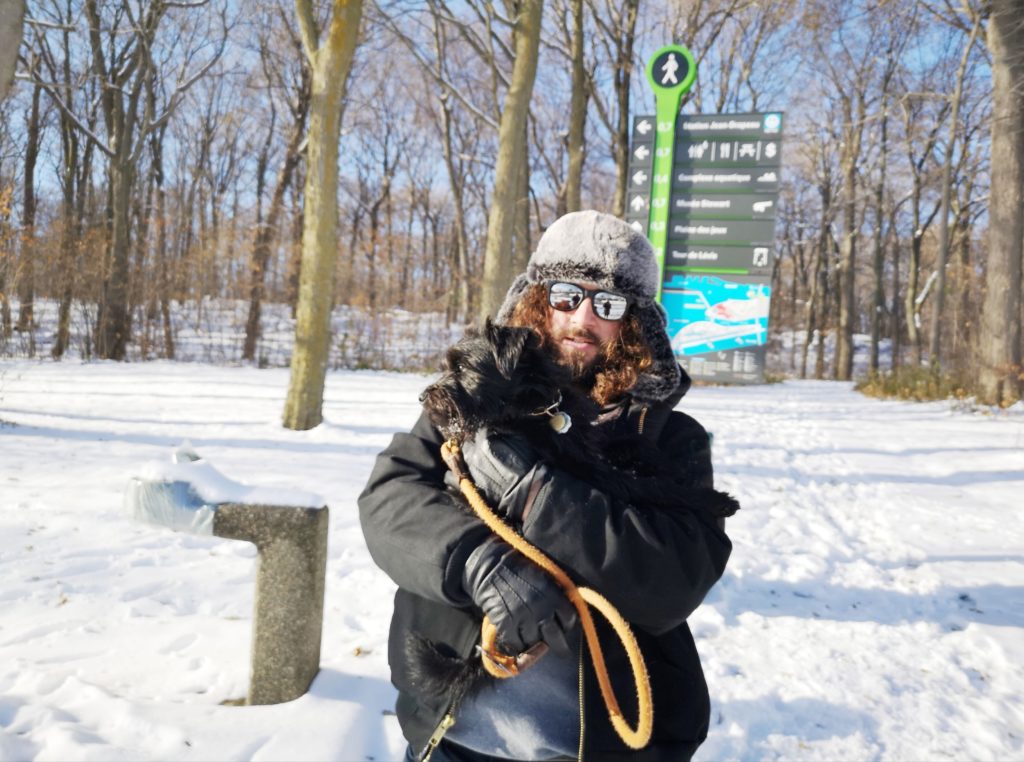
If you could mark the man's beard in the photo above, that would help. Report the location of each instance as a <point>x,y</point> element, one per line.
<point>584,369</point>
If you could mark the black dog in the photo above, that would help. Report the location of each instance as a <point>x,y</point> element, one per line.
<point>502,379</point>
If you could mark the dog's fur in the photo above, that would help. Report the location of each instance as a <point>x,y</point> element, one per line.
<point>502,378</point>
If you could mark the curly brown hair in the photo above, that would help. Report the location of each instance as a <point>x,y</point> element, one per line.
<point>617,367</point>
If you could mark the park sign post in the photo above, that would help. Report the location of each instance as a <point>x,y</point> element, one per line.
<point>704,189</point>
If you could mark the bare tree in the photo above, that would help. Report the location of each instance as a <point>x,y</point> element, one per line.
<point>460,305</point>
<point>999,340</point>
<point>330,59</point>
<point>580,90</point>
<point>818,299</point>
<point>878,238</point>
<point>75,173</point>
<point>616,27</point>
<point>920,133</point>
<point>498,260</point>
<point>125,49</point>
<point>267,228</point>
<point>846,54</point>
<point>956,99</point>
<point>896,43</point>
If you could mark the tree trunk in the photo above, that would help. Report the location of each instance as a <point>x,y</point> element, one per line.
<point>847,294</point>
<point>143,299</point>
<point>11,14</point>
<point>853,131</point>
<point>825,317</point>
<point>498,253</point>
<point>266,231</point>
<point>6,325</point>
<point>812,301</point>
<point>521,235</point>
<point>295,247</point>
<point>577,113</point>
<point>910,304</point>
<point>114,328</point>
<point>965,313</point>
<point>371,262</point>
<point>999,337</point>
<point>623,81</point>
<point>69,237</point>
<point>897,330</point>
<point>816,312</point>
<point>935,331</point>
<point>463,276</point>
<point>165,284</point>
<point>27,271</point>
<point>71,210</point>
<point>330,64</point>
<point>878,260</point>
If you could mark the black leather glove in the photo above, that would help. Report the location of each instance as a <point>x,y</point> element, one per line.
<point>497,464</point>
<point>523,601</point>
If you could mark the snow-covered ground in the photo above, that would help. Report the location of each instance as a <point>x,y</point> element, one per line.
<point>873,607</point>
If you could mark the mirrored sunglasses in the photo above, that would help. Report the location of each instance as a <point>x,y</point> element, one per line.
<point>607,305</point>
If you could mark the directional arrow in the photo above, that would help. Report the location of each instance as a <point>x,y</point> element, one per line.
<point>644,127</point>
<point>642,152</point>
<point>639,178</point>
<point>638,203</point>
<point>637,226</point>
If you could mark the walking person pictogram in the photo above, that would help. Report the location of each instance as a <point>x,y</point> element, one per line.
<point>670,68</point>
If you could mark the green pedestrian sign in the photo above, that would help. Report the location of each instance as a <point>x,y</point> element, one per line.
<point>671,72</point>
<point>704,188</point>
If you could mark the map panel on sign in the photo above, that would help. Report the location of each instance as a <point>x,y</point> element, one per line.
<point>728,126</point>
<point>682,229</point>
<point>708,313</point>
<point>754,178</point>
<point>713,153</point>
<point>711,206</point>
<point>751,259</point>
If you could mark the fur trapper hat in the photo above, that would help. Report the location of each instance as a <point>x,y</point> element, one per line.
<point>591,247</point>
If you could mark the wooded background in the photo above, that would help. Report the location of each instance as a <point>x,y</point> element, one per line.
<point>158,155</point>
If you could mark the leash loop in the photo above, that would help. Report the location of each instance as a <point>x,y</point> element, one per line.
<point>503,666</point>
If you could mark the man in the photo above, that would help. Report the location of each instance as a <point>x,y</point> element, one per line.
<point>589,292</point>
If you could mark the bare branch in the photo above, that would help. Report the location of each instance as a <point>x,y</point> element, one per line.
<point>308,28</point>
<point>49,24</point>
<point>50,90</point>
<point>449,88</point>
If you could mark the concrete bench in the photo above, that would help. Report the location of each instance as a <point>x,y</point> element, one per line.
<point>189,495</point>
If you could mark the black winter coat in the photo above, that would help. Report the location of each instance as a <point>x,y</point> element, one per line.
<point>655,566</point>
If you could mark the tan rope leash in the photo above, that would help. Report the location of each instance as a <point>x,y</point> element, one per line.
<point>501,665</point>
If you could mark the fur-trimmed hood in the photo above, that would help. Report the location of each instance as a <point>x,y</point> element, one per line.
<point>598,248</point>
